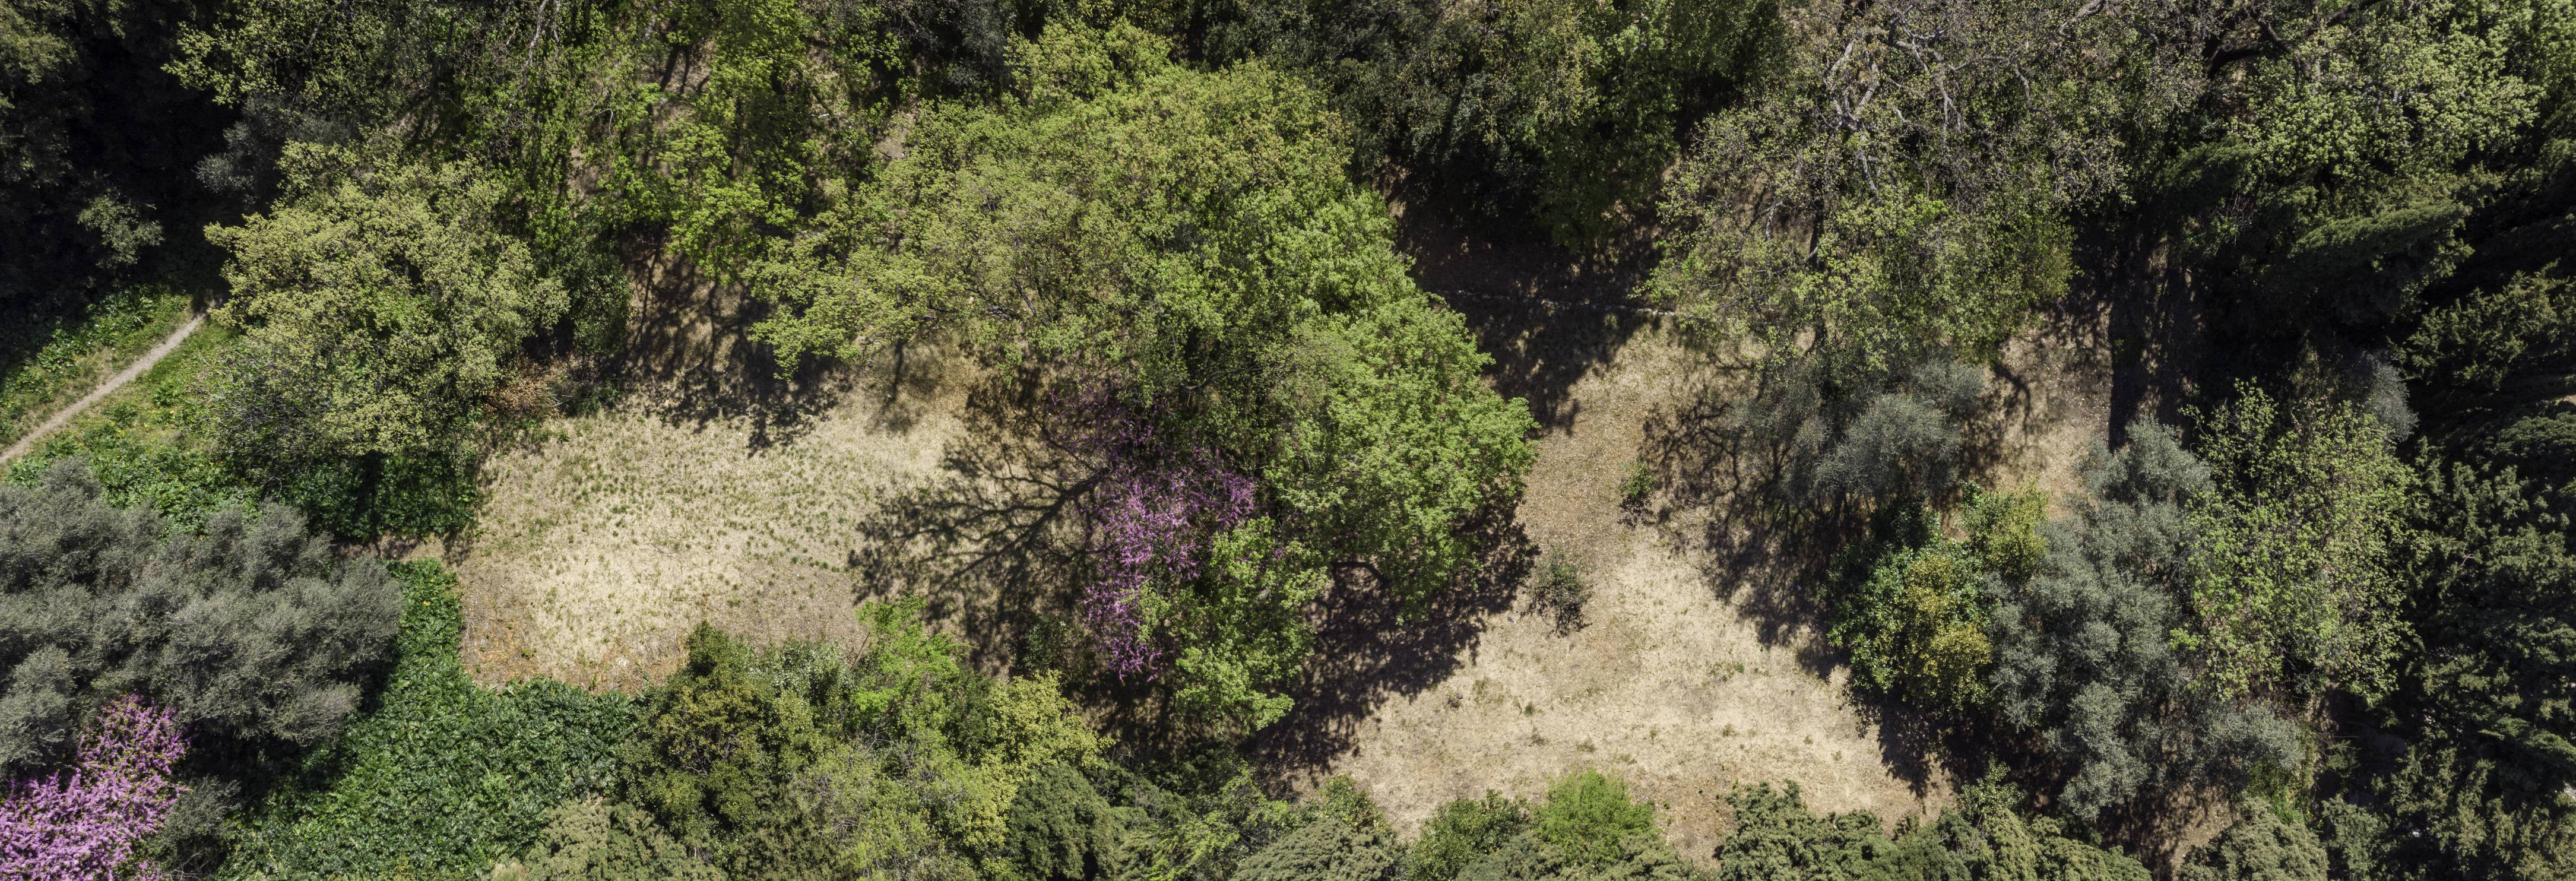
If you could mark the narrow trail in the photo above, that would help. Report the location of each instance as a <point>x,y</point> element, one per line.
<point>107,388</point>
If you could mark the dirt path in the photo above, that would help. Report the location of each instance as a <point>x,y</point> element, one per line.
<point>109,387</point>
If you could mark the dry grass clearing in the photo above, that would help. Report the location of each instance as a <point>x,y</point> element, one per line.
<point>1700,664</point>
<point>608,538</point>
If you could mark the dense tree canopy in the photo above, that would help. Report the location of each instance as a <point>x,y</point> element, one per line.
<point>249,630</point>
<point>2309,254</point>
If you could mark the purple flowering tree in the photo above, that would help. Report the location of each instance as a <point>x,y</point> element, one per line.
<point>1155,506</point>
<point>84,823</point>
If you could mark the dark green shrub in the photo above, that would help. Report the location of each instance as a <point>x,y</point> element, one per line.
<point>1559,591</point>
<point>1777,839</point>
<point>2259,846</point>
<point>2083,649</point>
<point>1061,829</point>
<point>1344,839</point>
<point>251,630</point>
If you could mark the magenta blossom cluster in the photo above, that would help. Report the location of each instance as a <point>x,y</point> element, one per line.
<point>84,823</point>
<point>1154,509</point>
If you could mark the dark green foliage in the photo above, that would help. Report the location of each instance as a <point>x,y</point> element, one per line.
<point>1777,839</point>
<point>1987,835</point>
<point>1566,112</point>
<point>251,630</point>
<point>2082,652</point>
<point>1900,182</point>
<point>1061,829</point>
<point>443,776</point>
<point>1462,832</point>
<point>2481,791</point>
<point>1346,840</point>
<point>2497,584</point>
<point>2259,846</point>
<point>1867,440</point>
<point>96,141</point>
<point>1992,834</point>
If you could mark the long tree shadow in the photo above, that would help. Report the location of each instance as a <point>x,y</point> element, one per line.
<point>689,357</point>
<point>1371,646</point>
<point>1548,315</point>
<point>992,542</point>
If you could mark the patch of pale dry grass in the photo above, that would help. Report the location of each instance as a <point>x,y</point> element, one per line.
<point>1692,675</point>
<point>610,536</point>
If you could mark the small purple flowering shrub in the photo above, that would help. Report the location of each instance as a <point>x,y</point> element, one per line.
<point>84,823</point>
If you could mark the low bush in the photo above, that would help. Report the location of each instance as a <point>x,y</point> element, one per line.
<point>443,777</point>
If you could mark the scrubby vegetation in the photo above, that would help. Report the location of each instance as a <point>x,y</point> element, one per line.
<point>2306,610</point>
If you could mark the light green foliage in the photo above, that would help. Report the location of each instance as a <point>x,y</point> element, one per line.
<point>2334,179</point>
<point>591,840</point>
<point>1586,815</point>
<point>2259,846</point>
<point>1916,629</point>
<point>441,777</point>
<point>1587,829</point>
<point>380,304</point>
<point>139,451</point>
<point>1460,833</point>
<point>2004,530</point>
<point>1899,183</point>
<point>798,760</point>
<point>1190,238</point>
<point>1394,442</point>
<point>2314,103</point>
<point>251,632</point>
<point>2083,653</point>
<point>1197,816</point>
<point>792,100</point>
<point>124,324</point>
<point>2290,588</point>
<point>1345,839</point>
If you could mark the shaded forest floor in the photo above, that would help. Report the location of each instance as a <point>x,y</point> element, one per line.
<point>711,490</point>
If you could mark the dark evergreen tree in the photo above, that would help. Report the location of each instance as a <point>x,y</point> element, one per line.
<point>252,630</point>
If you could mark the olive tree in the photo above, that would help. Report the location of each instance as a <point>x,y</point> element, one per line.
<point>251,630</point>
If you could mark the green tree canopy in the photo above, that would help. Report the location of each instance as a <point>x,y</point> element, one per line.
<point>380,304</point>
